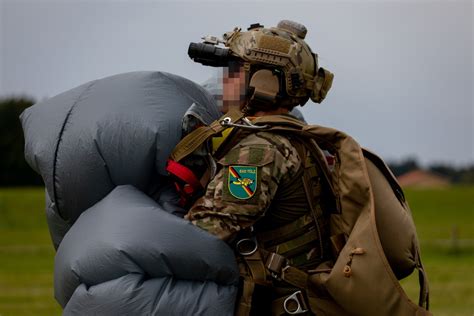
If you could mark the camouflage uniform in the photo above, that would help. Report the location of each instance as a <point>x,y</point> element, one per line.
<point>277,200</point>
<point>222,214</point>
<point>278,196</point>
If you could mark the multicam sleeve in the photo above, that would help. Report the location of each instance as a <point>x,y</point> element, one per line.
<point>243,188</point>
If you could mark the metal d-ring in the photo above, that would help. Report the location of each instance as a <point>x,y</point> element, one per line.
<point>241,243</point>
<point>296,298</point>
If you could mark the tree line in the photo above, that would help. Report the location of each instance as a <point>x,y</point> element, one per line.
<point>14,170</point>
<point>456,175</point>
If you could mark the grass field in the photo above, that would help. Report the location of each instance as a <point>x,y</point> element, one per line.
<point>445,225</point>
<point>26,253</point>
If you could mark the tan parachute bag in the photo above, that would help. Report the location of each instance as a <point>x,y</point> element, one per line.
<point>372,230</point>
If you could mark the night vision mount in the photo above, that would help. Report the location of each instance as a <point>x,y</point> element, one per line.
<point>209,53</point>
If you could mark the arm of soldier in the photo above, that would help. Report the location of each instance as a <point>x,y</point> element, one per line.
<point>223,215</point>
<point>230,203</point>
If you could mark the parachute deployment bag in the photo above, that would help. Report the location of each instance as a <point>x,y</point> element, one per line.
<point>371,228</point>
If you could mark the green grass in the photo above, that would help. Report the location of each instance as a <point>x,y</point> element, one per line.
<point>26,255</point>
<point>445,224</point>
<point>26,252</point>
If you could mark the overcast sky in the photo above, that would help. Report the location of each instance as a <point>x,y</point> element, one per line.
<point>403,69</point>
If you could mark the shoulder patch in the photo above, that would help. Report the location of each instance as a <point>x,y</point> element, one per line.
<point>249,156</point>
<point>242,181</point>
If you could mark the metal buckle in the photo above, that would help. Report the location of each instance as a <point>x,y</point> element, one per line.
<point>296,297</point>
<point>227,121</point>
<point>247,243</point>
<point>274,264</point>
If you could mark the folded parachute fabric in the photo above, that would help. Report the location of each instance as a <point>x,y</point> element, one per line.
<point>125,247</point>
<point>108,132</point>
<point>101,149</point>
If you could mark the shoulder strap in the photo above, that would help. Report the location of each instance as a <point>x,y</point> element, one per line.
<point>195,139</point>
<point>280,120</point>
<point>288,124</point>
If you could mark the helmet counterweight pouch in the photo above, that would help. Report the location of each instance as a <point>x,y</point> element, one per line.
<point>322,85</point>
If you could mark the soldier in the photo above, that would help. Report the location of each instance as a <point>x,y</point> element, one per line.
<point>314,219</point>
<point>265,196</point>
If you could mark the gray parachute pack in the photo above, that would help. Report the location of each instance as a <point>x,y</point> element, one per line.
<point>122,245</point>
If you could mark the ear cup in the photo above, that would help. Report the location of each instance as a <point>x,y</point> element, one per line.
<point>265,85</point>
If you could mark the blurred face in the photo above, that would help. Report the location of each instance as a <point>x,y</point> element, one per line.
<point>233,86</point>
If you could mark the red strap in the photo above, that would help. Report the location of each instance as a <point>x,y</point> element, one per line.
<point>183,173</point>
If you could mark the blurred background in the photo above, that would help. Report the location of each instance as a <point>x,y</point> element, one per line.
<point>403,88</point>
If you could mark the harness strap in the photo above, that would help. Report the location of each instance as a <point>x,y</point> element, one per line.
<point>188,185</point>
<point>279,268</point>
<point>253,273</point>
<point>183,173</point>
<point>245,303</point>
<point>257,269</point>
<point>277,306</point>
<point>297,226</point>
<point>424,298</point>
<point>194,140</point>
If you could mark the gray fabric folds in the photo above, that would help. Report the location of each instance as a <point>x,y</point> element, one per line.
<point>122,245</point>
<point>108,132</point>
<point>128,234</point>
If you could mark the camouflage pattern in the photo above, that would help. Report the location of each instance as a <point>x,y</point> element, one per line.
<point>222,214</point>
<point>283,47</point>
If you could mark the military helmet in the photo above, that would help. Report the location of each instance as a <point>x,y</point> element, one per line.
<point>280,65</point>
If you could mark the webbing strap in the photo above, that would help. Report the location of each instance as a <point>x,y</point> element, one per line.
<point>292,246</point>
<point>217,141</point>
<point>295,277</point>
<point>424,299</point>
<point>258,273</point>
<point>183,173</point>
<point>245,302</point>
<point>277,306</point>
<point>278,267</point>
<point>194,140</point>
<point>282,233</point>
<point>261,261</point>
<point>280,121</point>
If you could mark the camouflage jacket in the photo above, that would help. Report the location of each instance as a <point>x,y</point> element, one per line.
<point>247,184</point>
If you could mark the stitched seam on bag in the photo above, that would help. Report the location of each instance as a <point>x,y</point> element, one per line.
<point>106,167</point>
<point>60,136</point>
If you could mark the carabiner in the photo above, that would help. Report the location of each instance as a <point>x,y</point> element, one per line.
<point>227,121</point>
